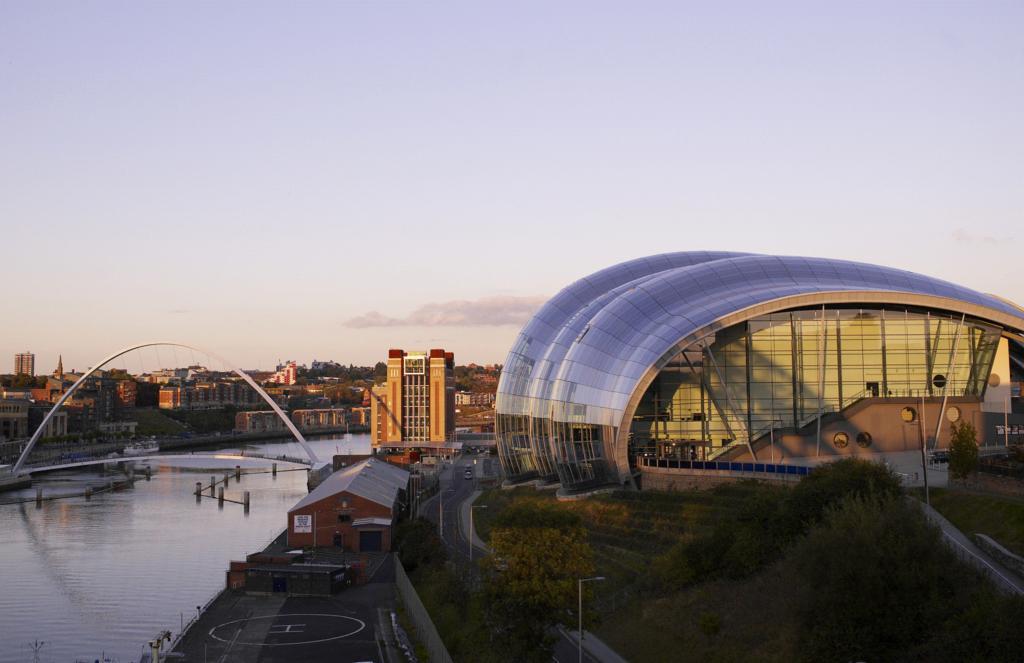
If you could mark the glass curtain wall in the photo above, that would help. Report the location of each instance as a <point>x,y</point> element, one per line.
<point>783,370</point>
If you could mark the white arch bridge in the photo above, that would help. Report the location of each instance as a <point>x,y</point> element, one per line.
<point>313,461</point>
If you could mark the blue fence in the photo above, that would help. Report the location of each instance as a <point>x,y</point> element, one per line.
<point>725,466</point>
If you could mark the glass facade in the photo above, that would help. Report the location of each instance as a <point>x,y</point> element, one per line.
<point>580,369</point>
<point>783,370</point>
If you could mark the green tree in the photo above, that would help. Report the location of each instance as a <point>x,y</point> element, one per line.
<point>963,450</point>
<point>539,552</point>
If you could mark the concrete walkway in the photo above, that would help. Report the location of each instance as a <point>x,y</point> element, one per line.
<point>973,555</point>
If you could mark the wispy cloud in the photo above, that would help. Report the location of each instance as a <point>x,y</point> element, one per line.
<point>964,236</point>
<point>483,312</point>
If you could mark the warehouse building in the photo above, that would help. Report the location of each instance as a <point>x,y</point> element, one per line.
<point>354,509</point>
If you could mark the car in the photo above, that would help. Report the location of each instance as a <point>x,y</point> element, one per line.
<point>469,473</point>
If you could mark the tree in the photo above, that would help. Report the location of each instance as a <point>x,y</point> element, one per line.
<point>539,552</point>
<point>963,450</point>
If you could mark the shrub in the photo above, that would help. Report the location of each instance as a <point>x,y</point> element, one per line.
<point>877,580</point>
<point>963,450</point>
<point>830,483</point>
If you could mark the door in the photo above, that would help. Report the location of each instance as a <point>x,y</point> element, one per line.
<point>337,540</point>
<point>371,541</point>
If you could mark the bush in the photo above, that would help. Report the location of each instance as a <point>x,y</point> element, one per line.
<point>418,545</point>
<point>877,582</point>
<point>831,483</point>
<point>963,450</point>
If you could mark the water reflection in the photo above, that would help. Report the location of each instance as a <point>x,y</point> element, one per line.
<point>105,575</point>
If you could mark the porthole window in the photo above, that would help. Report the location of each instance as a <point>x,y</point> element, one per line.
<point>953,413</point>
<point>994,380</point>
<point>841,440</point>
<point>908,414</point>
<point>939,381</point>
<point>864,440</point>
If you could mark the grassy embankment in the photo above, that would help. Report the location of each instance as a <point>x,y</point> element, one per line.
<point>1001,518</point>
<point>153,422</point>
<point>629,533</point>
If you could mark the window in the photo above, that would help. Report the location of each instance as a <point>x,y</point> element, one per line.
<point>344,518</point>
<point>953,414</point>
<point>908,414</point>
<point>841,440</point>
<point>864,440</point>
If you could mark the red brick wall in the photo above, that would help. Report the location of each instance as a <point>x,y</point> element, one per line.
<point>326,523</point>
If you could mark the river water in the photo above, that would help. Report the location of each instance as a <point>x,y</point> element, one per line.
<point>102,577</point>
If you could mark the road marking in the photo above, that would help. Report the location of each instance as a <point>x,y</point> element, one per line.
<point>361,623</point>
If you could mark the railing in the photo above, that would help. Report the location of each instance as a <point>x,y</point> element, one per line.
<point>426,632</point>
<point>725,466</point>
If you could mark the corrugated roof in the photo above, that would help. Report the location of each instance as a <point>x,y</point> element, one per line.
<point>371,479</point>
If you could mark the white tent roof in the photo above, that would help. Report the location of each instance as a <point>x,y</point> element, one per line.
<point>371,479</point>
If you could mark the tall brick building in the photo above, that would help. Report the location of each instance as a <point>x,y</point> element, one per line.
<point>416,406</point>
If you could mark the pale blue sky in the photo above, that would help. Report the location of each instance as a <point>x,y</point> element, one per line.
<point>234,174</point>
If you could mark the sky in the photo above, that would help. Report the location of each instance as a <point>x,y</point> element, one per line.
<point>328,180</point>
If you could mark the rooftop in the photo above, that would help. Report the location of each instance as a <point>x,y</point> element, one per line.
<point>371,479</point>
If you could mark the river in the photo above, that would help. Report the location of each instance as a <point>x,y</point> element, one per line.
<point>102,577</point>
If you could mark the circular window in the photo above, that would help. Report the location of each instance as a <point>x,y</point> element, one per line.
<point>841,440</point>
<point>994,380</point>
<point>908,414</point>
<point>864,440</point>
<point>953,413</point>
<point>939,381</point>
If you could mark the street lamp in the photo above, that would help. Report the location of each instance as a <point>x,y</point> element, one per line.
<point>473,506</point>
<point>580,609</point>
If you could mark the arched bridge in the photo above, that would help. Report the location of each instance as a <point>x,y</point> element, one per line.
<point>313,460</point>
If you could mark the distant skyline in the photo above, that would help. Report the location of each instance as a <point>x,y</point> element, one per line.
<point>328,180</point>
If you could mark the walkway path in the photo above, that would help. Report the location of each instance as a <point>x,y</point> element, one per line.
<point>973,555</point>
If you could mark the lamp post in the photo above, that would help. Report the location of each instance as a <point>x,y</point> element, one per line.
<point>580,609</point>
<point>473,506</point>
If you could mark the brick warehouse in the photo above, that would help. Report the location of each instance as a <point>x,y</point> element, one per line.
<point>353,509</point>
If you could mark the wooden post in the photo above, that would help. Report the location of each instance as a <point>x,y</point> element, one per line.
<point>238,473</point>
<point>245,501</point>
<point>273,469</point>
<point>149,473</point>
<point>227,478</point>
<point>88,492</point>
<point>220,497</point>
<point>213,485</point>
<point>199,491</point>
<point>39,496</point>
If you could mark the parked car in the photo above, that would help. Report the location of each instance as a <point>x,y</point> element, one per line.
<point>469,473</point>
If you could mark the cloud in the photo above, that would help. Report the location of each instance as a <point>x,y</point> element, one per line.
<point>965,237</point>
<point>483,312</point>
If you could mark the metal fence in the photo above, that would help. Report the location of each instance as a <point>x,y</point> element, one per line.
<point>425,629</point>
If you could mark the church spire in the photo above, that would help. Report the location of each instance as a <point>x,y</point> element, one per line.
<point>60,367</point>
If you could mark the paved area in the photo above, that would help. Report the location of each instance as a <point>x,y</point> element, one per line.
<point>343,628</point>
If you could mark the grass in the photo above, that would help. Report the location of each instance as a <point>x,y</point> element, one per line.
<point>153,422</point>
<point>997,517</point>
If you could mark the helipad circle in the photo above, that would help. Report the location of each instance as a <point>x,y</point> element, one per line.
<point>232,638</point>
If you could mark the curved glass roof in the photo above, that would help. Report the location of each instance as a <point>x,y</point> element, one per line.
<point>591,344</point>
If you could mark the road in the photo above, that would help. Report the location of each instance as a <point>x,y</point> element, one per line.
<point>455,489</point>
